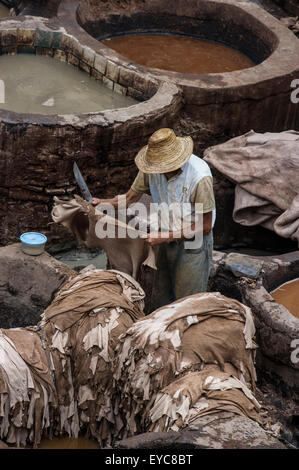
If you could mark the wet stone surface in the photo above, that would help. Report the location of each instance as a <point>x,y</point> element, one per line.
<point>218,431</point>
<point>242,265</point>
<point>79,259</point>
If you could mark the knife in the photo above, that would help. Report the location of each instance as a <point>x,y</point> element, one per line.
<point>82,185</point>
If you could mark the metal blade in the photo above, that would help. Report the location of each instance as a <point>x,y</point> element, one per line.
<point>82,185</point>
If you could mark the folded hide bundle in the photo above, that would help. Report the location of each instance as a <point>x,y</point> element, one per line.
<point>197,394</point>
<point>95,363</point>
<point>265,169</point>
<point>57,376</point>
<point>206,335</point>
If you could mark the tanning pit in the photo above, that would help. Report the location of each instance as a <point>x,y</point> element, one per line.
<point>251,280</point>
<point>41,85</point>
<point>230,102</point>
<point>38,150</point>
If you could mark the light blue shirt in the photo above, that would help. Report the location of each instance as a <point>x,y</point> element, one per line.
<point>180,188</point>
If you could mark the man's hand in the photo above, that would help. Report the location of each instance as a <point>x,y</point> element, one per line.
<point>95,201</point>
<point>155,238</point>
<point>130,197</point>
<point>113,201</point>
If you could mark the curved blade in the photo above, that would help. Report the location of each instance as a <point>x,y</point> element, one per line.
<point>82,185</point>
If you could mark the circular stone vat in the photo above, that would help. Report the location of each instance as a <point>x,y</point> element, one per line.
<point>288,295</point>
<point>290,6</point>
<point>251,281</point>
<point>38,150</point>
<point>233,102</point>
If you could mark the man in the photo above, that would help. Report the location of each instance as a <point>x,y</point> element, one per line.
<point>171,173</point>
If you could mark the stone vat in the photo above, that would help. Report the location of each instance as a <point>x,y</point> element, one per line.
<point>257,98</point>
<point>250,280</point>
<point>38,151</point>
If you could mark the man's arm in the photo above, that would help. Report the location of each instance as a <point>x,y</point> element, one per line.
<point>139,187</point>
<point>131,197</point>
<point>156,238</point>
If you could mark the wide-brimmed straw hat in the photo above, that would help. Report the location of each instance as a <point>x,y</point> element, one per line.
<point>165,152</point>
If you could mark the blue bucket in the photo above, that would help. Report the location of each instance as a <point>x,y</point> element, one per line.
<point>33,243</point>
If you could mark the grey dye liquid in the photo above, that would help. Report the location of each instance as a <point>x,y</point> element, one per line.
<point>43,85</point>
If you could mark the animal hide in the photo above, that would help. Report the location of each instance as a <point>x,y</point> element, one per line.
<point>265,169</point>
<point>56,377</point>
<point>191,357</point>
<point>124,254</point>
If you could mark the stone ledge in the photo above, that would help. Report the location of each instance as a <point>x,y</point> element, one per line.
<point>221,430</point>
<point>27,285</point>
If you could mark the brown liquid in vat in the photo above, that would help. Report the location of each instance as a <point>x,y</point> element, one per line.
<point>288,296</point>
<point>179,54</point>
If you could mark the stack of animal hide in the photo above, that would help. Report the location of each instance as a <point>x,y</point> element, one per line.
<point>190,358</point>
<point>56,376</point>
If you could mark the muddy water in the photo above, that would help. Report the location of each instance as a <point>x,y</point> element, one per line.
<point>78,260</point>
<point>4,11</point>
<point>288,296</point>
<point>68,443</point>
<point>179,54</point>
<point>39,84</point>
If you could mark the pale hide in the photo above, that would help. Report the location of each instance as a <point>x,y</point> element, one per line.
<point>124,254</point>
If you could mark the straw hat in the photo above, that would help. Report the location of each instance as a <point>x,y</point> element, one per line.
<point>165,152</point>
